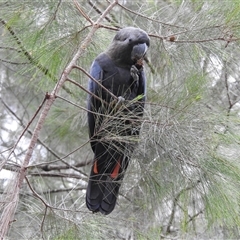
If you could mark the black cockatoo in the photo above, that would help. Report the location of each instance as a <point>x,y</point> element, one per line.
<point>114,110</point>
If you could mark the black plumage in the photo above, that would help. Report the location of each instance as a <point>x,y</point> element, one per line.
<point>114,121</point>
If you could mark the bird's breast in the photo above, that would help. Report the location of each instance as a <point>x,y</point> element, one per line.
<point>119,82</point>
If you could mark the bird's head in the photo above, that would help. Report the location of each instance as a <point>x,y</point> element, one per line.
<point>129,45</point>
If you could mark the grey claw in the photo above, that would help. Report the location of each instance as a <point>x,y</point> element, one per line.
<point>134,73</point>
<point>121,99</point>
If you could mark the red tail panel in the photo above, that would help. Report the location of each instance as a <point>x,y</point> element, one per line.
<point>95,169</point>
<point>115,172</point>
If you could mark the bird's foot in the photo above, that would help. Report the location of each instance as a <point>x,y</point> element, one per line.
<point>121,100</point>
<point>116,103</point>
<point>134,73</point>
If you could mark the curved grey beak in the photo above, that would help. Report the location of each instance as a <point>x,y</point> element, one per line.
<point>139,51</point>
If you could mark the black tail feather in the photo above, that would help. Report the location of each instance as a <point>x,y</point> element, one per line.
<point>102,194</point>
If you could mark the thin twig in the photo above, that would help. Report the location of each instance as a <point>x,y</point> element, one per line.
<point>84,89</point>
<point>194,216</point>
<point>62,175</point>
<point>58,167</point>
<point>82,12</point>
<point>175,202</point>
<point>41,199</point>
<point>96,81</point>
<point>227,88</point>
<point>100,12</point>
<point>194,40</point>
<point>43,219</point>
<point>64,190</point>
<point>148,18</point>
